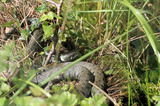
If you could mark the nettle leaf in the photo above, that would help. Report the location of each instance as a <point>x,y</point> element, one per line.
<point>48,31</point>
<point>50,16</point>
<point>44,17</point>
<point>42,9</point>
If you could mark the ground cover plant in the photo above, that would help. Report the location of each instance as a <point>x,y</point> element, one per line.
<point>119,36</point>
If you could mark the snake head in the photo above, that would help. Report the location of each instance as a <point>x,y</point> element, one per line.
<point>70,56</point>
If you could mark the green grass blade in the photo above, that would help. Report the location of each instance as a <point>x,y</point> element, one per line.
<point>37,87</point>
<point>108,10</point>
<point>146,28</point>
<point>148,31</point>
<point>21,88</point>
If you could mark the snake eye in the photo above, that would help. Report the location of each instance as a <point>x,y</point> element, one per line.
<point>43,70</point>
<point>71,58</point>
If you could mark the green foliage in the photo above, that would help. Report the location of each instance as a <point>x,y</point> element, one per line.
<point>25,34</point>
<point>153,91</point>
<point>157,100</point>
<point>153,76</point>
<point>60,89</point>
<point>97,100</point>
<point>28,101</point>
<point>82,25</point>
<point>8,24</point>
<point>48,27</point>
<point>42,9</point>
<point>35,22</point>
<point>146,28</point>
<point>65,98</point>
<point>7,54</point>
<point>48,30</point>
<point>3,1</point>
<point>4,87</point>
<point>50,16</point>
<point>4,101</point>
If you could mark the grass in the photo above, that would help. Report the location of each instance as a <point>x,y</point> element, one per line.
<point>105,29</point>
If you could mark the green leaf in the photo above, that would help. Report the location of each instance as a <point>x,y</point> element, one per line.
<point>158,104</point>
<point>37,102</point>
<point>42,9</point>
<point>4,102</point>
<point>23,101</point>
<point>65,99</point>
<point>44,17</point>
<point>156,98</point>
<point>8,24</point>
<point>35,91</point>
<point>48,31</point>
<point>25,34</point>
<point>71,98</point>
<point>50,16</point>
<point>28,101</point>
<point>3,79</point>
<point>57,89</point>
<point>153,76</point>
<point>3,1</point>
<point>35,23</point>
<point>97,100</point>
<point>5,87</point>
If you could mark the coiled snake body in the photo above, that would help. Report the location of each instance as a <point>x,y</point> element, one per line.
<point>83,71</point>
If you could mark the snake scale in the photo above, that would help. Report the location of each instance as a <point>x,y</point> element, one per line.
<point>82,71</point>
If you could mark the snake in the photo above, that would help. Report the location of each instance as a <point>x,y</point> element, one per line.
<point>82,71</point>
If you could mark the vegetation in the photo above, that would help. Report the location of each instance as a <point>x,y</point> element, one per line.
<point>120,36</point>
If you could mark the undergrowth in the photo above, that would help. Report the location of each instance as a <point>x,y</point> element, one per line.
<point>120,36</point>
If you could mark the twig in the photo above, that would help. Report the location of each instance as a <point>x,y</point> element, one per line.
<point>115,103</point>
<point>56,31</point>
<point>53,3</point>
<point>49,55</point>
<point>36,41</point>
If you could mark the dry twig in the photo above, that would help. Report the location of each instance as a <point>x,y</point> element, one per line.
<point>55,39</point>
